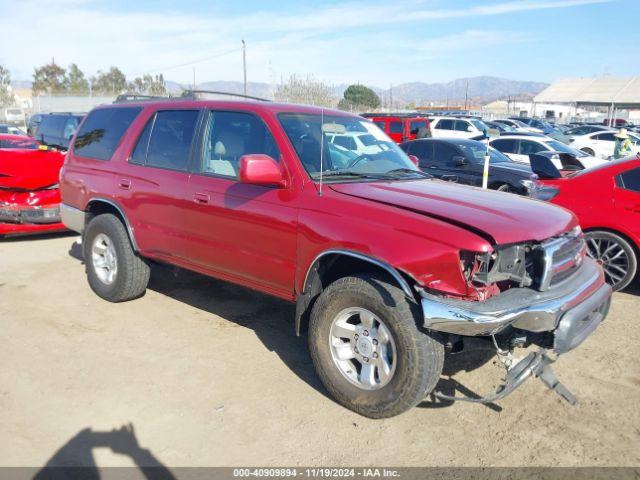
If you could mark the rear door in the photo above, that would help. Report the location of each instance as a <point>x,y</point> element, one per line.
<point>396,130</point>
<point>603,144</point>
<point>444,127</point>
<point>154,184</point>
<point>240,232</point>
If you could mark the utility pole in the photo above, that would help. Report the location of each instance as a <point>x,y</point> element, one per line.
<point>466,95</point>
<point>390,97</point>
<point>244,65</point>
<point>194,78</point>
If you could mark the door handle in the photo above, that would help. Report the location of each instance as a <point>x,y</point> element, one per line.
<point>124,184</point>
<point>202,198</point>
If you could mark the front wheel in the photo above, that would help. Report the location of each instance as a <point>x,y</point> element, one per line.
<point>367,349</point>
<point>615,254</point>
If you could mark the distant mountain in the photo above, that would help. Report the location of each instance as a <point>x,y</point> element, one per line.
<point>481,90</point>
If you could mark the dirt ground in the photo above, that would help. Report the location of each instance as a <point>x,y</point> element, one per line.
<point>210,374</point>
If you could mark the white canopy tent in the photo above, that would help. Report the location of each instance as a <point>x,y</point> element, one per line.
<point>615,93</point>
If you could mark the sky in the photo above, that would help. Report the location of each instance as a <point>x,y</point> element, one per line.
<point>372,42</point>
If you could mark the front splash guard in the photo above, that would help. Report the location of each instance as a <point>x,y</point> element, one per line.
<point>536,364</point>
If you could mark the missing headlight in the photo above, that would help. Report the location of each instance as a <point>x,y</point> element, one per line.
<point>503,264</point>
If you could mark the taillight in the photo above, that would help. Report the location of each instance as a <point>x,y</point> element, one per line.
<point>543,192</point>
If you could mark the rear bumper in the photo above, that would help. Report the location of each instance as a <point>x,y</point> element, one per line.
<point>72,217</point>
<point>573,308</point>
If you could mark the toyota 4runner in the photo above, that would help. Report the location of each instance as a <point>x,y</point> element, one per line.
<point>389,268</point>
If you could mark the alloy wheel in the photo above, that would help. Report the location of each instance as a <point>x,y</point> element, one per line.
<point>104,259</point>
<point>611,255</point>
<point>363,349</point>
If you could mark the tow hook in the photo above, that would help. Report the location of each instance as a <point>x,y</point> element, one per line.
<point>536,364</point>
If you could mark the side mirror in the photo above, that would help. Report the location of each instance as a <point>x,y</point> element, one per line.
<point>259,169</point>
<point>415,160</point>
<point>459,160</point>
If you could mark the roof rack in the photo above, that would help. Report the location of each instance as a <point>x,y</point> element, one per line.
<point>134,97</point>
<point>193,94</point>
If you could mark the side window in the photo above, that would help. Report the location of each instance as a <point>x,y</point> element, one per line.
<point>169,142</point>
<point>608,137</point>
<point>70,127</point>
<point>504,145</point>
<point>229,136</point>
<point>395,127</point>
<point>347,142</point>
<point>630,180</point>
<point>424,152</point>
<point>139,154</point>
<point>102,130</point>
<point>462,126</point>
<point>528,147</point>
<point>52,126</point>
<point>445,124</point>
<point>443,154</point>
<point>416,126</point>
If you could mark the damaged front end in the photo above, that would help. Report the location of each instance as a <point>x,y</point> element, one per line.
<point>549,294</point>
<point>30,211</point>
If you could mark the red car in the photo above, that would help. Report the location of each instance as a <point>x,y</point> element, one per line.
<point>606,200</point>
<point>401,127</point>
<point>29,190</point>
<point>388,267</point>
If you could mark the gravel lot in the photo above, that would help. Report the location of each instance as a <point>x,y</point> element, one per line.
<point>208,374</point>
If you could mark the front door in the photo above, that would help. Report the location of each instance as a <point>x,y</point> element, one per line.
<point>236,231</point>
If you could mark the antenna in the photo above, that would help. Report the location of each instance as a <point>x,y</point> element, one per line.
<point>321,149</point>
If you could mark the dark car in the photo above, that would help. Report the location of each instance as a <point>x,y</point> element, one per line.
<point>462,161</point>
<point>32,124</point>
<point>57,129</point>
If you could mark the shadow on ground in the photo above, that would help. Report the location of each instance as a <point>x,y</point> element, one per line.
<point>75,459</point>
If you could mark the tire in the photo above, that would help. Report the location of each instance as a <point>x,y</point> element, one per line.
<point>124,275</point>
<point>416,360</point>
<point>615,254</point>
<point>503,187</point>
<point>588,151</point>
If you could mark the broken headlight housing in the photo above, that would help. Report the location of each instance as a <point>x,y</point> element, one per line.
<point>504,264</point>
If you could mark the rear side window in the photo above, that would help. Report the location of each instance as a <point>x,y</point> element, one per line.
<point>605,136</point>
<point>505,145</point>
<point>395,127</point>
<point>630,180</point>
<point>462,126</point>
<point>416,126</point>
<point>445,124</point>
<point>102,130</point>
<point>166,140</point>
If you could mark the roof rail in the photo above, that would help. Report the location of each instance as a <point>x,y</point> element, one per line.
<point>387,114</point>
<point>134,97</point>
<point>193,94</point>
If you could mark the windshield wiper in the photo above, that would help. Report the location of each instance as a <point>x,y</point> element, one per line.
<point>349,173</point>
<point>409,170</point>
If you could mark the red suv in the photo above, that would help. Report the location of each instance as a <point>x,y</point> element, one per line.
<point>388,267</point>
<point>401,127</point>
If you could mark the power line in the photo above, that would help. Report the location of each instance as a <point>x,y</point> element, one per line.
<point>186,64</point>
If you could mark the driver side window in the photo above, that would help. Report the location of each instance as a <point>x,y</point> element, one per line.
<point>231,135</point>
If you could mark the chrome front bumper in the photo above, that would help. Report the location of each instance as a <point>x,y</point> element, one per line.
<point>575,299</point>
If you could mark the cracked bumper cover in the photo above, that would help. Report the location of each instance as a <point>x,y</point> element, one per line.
<point>573,309</point>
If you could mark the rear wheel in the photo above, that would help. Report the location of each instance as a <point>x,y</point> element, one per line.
<point>503,188</point>
<point>615,254</point>
<point>588,151</point>
<point>114,271</point>
<point>367,349</point>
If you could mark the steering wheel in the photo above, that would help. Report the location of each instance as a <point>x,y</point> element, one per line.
<point>358,159</point>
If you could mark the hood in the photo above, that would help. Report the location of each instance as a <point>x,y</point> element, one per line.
<point>29,169</point>
<point>502,218</point>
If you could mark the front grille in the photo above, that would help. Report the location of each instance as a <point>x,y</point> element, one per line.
<point>559,258</point>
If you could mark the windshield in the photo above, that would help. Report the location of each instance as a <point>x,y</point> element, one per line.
<point>520,124</point>
<point>480,125</point>
<point>382,158</point>
<point>477,152</point>
<point>556,146</point>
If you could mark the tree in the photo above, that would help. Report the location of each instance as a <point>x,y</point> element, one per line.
<point>148,85</point>
<point>359,97</point>
<point>50,78</point>
<point>305,90</point>
<point>78,84</point>
<point>6,97</point>
<point>109,83</point>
